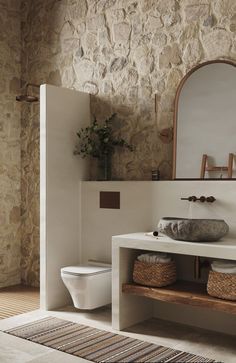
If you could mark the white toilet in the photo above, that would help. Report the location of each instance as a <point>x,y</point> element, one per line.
<point>88,285</point>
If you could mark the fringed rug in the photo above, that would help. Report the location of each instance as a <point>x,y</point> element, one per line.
<point>98,345</point>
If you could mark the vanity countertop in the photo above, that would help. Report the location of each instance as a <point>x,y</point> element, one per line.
<point>225,248</point>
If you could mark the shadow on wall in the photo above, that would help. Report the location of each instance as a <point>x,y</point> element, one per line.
<point>128,122</point>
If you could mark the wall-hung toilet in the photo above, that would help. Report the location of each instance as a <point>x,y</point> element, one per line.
<point>88,285</point>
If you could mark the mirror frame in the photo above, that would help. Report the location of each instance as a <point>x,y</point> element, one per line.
<point>176,108</point>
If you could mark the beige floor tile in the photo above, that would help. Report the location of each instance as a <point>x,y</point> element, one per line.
<point>18,320</point>
<point>58,357</point>
<point>16,350</point>
<point>217,346</point>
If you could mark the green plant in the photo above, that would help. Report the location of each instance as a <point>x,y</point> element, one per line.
<point>98,140</point>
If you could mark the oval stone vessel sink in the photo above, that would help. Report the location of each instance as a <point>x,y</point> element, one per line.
<point>193,230</point>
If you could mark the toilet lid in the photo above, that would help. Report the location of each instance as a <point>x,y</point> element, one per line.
<point>84,270</point>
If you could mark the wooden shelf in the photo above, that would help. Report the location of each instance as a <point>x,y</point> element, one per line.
<point>182,292</point>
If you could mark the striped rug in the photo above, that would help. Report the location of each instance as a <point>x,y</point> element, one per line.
<point>98,345</point>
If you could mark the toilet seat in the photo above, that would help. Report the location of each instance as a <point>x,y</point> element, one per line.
<point>84,270</point>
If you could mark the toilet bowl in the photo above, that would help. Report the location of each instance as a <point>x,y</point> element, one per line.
<point>88,285</point>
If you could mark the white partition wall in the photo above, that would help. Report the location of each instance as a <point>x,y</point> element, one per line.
<point>62,113</point>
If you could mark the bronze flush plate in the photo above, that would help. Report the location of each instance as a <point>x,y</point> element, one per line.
<point>110,200</point>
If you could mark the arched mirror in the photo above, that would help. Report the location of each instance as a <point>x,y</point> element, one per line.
<point>205,123</point>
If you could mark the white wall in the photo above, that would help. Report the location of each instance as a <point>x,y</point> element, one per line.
<point>206,120</point>
<point>98,225</point>
<point>142,205</point>
<point>62,113</point>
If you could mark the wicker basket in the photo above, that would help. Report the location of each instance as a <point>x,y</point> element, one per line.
<point>154,274</point>
<point>222,285</point>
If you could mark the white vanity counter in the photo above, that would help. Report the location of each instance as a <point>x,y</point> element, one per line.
<point>133,303</point>
<point>225,248</point>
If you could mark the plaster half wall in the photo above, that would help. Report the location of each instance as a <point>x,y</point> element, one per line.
<point>142,204</point>
<point>10,150</point>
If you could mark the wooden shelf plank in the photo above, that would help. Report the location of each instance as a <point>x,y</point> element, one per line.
<point>182,292</point>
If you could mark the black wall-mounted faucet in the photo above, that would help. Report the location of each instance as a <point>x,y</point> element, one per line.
<point>202,199</point>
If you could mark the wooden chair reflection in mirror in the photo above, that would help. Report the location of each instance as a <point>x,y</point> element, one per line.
<point>205,167</point>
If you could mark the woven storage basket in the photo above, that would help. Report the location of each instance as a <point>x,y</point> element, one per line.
<point>154,274</point>
<point>222,285</point>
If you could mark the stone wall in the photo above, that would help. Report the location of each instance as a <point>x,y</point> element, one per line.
<point>29,152</point>
<point>10,69</point>
<point>125,53</point>
<point>30,194</point>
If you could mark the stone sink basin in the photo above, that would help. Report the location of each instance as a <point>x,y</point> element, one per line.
<point>193,230</point>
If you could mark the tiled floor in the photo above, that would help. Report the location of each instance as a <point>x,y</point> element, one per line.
<point>14,350</point>
<point>18,299</point>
